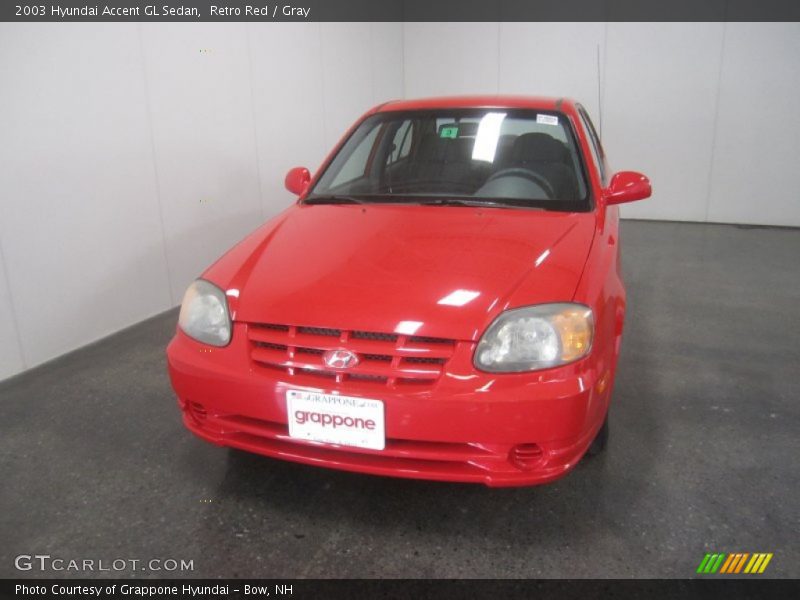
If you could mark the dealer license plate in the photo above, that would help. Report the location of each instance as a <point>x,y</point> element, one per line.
<point>335,419</point>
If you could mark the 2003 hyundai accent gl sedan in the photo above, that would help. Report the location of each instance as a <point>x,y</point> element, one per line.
<point>443,302</point>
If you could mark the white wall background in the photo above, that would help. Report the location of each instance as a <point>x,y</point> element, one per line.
<point>707,110</point>
<point>133,155</point>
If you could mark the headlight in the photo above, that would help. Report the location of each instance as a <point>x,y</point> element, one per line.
<point>204,314</point>
<point>536,337</point>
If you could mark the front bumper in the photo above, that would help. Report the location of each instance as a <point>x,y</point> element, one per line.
<point>468,426</point>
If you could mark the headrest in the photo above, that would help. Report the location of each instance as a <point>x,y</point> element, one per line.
<point>430,148</point>
<point>459,149</point>
<point>538,147</point>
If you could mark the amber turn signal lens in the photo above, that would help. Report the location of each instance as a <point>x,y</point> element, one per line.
<point>574,326</point>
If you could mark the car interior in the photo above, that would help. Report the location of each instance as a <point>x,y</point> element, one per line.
<point>528,165</point>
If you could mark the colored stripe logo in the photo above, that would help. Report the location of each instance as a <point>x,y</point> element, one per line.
<point>738,562</point>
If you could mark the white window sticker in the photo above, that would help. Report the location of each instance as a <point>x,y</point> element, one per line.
<point>547,119</point>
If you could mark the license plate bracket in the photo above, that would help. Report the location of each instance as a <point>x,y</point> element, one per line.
<point>336,419</point>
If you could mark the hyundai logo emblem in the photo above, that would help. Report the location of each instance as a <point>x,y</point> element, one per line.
<point>340,359</point>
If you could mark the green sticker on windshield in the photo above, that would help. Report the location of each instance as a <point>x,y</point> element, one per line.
<point>451,131</point>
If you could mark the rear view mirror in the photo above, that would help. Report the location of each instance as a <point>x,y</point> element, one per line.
<point>627,186</point>
<point>297,180</point>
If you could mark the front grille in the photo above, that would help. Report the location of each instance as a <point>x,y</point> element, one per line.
<point>384,358</point>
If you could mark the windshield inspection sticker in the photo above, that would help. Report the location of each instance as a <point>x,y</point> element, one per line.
<point>449,132</point>
<point>547,119</point>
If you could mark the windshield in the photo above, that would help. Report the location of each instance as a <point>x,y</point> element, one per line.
<point>518,158</point>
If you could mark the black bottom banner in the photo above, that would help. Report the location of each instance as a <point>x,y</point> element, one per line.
<point>583,589</point>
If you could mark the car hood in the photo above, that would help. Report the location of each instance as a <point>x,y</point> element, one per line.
<point>432,271</point>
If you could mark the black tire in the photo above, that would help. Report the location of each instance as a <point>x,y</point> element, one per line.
<point>600,440</point>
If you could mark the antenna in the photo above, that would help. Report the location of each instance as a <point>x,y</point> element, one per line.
<point>599,96</point>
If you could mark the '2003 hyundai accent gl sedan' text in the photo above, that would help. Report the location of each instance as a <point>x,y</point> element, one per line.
<point>443,302</point>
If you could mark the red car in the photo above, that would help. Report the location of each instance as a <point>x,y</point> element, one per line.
<point>443,302</point>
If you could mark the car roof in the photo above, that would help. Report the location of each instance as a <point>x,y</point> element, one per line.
<point>496,101</point>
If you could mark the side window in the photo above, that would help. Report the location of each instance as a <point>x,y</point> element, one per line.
<point>594,144</point>
<point>401,143</point>
<point>356,164</point>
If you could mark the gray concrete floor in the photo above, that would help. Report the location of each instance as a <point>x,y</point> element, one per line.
<point>703,455</point>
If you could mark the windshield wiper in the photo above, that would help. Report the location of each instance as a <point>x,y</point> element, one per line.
<point>335,199</point>
<point>500,203</point>
<point>462,202</point>
<point>401,199</point>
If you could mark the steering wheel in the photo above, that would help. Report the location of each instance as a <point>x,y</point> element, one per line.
<point>543,183</point>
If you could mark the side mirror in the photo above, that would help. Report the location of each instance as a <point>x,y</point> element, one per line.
<point>297,180</point>
<point>627,186</point>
